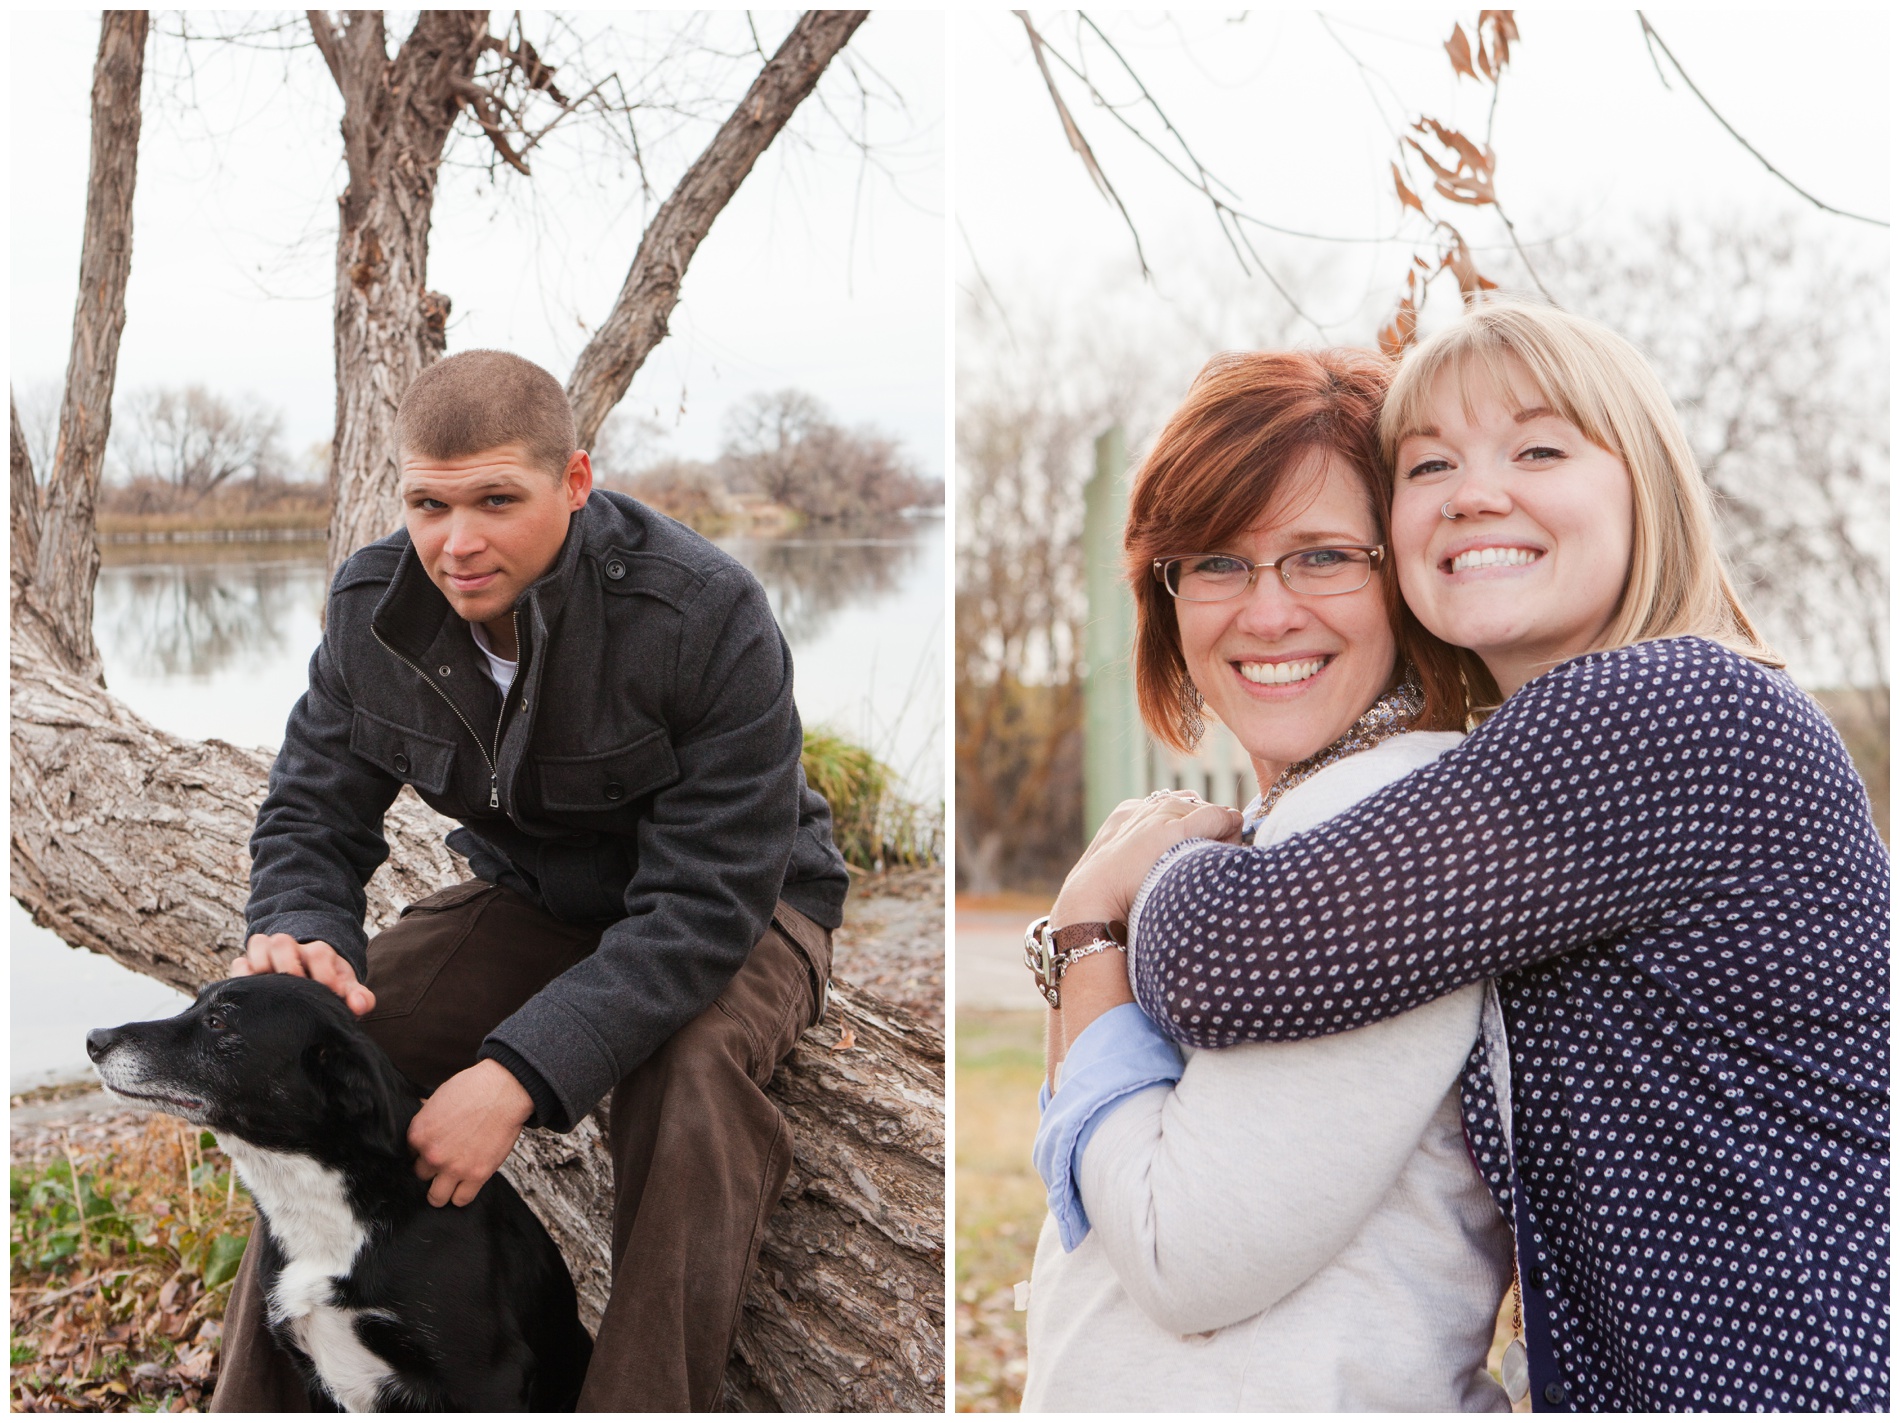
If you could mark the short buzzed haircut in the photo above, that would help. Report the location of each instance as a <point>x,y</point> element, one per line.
<point>481,400</point>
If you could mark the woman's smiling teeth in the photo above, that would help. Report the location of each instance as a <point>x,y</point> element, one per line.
<point>1494,558</point>
<point>1279,674</point>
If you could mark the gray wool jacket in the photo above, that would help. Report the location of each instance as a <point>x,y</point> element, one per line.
<point>644,775</point>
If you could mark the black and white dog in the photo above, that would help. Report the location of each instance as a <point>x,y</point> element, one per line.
<point>386,1302</point>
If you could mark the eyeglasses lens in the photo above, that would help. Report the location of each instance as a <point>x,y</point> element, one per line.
<point>1315,572</point>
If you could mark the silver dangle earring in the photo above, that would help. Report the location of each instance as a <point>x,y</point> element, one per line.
<point>1191,703</point>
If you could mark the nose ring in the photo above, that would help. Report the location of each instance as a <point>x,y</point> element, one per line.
<point>1445,509</point>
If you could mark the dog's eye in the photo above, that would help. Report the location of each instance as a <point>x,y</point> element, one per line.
<point>214,1022</point>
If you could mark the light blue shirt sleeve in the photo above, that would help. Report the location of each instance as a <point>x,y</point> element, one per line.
<point>1119,1054</point>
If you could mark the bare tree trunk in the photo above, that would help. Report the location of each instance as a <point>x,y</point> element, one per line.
<point>397,114</point>
<point>68,553</point>
<point>652,289</point>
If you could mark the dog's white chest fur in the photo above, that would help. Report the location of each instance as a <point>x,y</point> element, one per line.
<point>309,1213</point>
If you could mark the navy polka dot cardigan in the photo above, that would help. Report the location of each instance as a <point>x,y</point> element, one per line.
<point>1665,858</point>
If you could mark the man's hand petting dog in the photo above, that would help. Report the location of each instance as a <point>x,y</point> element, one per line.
<point>466,1130</point>
<point>279,953</point>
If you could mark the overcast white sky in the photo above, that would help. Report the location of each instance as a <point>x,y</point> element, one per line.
<point>819,275</point>
<point>1587,138</point>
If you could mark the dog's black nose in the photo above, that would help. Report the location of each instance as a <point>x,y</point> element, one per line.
<point>99,1042</point>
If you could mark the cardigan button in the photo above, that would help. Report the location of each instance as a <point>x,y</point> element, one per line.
<point>615,790</point>
<point>1539,1279</point>
<point>402,763</point>
<point>1554,1393</point>
<point>615,569</point>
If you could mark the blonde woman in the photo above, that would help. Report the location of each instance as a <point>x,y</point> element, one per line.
<point>1658,847</point>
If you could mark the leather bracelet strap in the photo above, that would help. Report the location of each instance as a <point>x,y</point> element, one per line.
<point>1072,936</point>
<point>1049,952</point>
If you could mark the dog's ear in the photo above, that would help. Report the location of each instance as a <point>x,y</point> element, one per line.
<point>360,1084</point>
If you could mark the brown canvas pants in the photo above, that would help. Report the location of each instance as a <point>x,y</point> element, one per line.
<point>700,1153</point>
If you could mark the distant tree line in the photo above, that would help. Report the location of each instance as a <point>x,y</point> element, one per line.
<point>186,451</point>
<point>782,448</point>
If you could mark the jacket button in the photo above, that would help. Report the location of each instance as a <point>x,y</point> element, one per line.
<point>1539,1280</point>
<point>402,763</point>
<point>1553,1393</point>
<point>443,670</point>
<point>615,568</point>
<point>615,790</point>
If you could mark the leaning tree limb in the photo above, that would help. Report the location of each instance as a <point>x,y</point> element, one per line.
<point>68,555</point>
<point>640,314</point>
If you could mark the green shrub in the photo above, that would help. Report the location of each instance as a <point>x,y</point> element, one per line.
<point>875,826</point>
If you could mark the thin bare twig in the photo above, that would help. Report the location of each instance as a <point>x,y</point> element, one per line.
<point>995,301</point>
<point>1655,42</point>
<point>1078,142</point>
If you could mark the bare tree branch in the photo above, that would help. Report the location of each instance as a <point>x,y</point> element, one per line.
<point>68,559</point>
<point>1655,42</point>
<point>639,318</point>
<point>1073,131</point>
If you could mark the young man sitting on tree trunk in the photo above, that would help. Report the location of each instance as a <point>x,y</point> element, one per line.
<point>603,701</point>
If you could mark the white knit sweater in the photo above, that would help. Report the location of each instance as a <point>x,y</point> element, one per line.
<point>1291,1226</point>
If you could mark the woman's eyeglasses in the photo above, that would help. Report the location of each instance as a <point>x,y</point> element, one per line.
<point>1313,572</point>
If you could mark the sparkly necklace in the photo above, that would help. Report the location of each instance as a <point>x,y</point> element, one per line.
<point>1384,719</point>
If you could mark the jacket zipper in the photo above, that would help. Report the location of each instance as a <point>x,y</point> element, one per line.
<point>494,776</point>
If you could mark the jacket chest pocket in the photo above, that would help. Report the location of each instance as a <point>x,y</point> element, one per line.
<point>424,762</point>
<point>610,780</point>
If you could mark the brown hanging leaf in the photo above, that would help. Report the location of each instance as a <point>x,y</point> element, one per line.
<point>1472,192</point>
<point>1464,268</point>
<point>1503,27</point>
<point>1459,48</point>
<point>1406,195</point>
<point>1401,332</point>
<point>1470,154</point>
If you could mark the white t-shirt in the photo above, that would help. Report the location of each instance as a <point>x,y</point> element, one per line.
<point>500,670</point>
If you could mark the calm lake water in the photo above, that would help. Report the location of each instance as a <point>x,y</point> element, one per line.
<point>215,641</point>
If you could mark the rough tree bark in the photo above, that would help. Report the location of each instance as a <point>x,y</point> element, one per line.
<point>397,115</point>
<point>68,554</point>
<point>131,842</point>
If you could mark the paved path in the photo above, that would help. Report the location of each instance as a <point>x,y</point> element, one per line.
<point>990,972</point>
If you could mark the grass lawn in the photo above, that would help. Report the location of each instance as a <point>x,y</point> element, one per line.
<point>1000,1202</point>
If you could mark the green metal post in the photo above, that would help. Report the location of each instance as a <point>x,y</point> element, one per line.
<point>1113,744</point>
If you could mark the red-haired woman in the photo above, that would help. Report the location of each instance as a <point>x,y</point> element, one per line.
<point>1281,1226</point>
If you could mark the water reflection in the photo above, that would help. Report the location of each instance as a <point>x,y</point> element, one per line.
<point>210,644</point>
<point>811,580</point>
<point>199,620</point>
